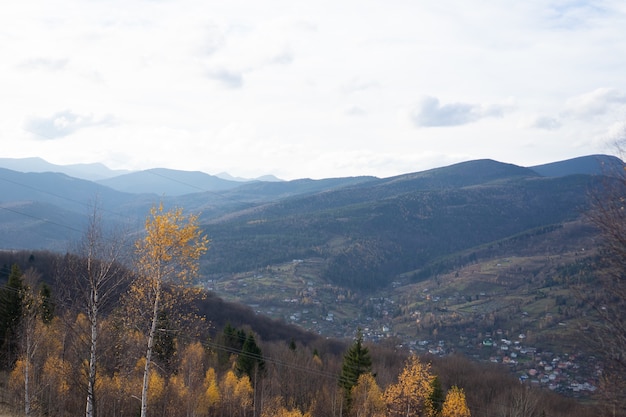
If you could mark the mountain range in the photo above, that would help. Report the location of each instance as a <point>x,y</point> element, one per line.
<point>47,210</point>
<point>462,250</point>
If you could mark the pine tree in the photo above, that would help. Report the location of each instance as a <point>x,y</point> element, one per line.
<point>437,397</point>
<point>356,362</point>
<point>250,361</point>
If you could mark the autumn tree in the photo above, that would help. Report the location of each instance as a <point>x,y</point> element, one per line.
<point>34,310</point>
<point>455,404</point>
<point>411,395</point>
<point>236,394</point>
<point>356,362</point>
<point>168,259</point>
<point>92,279</point>
<point>211,398</point>
<point>367,398</point>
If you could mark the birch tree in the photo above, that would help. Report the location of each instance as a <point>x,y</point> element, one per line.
<point>95,276</point>
<point>167,258</point>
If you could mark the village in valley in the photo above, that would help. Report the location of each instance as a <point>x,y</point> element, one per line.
<point>441,321</point>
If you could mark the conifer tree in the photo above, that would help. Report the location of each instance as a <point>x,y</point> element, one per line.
<point>250,361</point>
<point>437,397</point>
<point>356,362</point>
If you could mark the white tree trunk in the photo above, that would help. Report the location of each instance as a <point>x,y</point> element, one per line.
<point>146,372</point>
<point>91,377</point>
<point>27,385</point>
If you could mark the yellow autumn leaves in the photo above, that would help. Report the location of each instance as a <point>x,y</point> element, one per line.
<point>411,395</point>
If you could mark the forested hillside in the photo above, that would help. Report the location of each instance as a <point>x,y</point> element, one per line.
<point>225,360</point>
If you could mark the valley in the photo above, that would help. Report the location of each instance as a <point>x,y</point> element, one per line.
<point>518,310</point>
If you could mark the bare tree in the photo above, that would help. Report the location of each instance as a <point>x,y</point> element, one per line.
<point>32,304</point>
<point>607,296</point>
<point>93,278</point>
<point>523,402</point>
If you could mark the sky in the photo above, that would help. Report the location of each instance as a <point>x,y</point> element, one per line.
<point>310,89</point>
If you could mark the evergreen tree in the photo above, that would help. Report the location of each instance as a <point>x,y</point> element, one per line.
<point>231,341</point>
<point>356,361</point>
<point>10,315</point>
<point>47,305</point>
<point>437,397</point>
<point>250,361</point>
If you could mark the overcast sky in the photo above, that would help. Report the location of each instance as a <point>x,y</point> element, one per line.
<point>310,88</point>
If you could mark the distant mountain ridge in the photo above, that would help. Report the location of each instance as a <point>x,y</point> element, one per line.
<point>100,172</point>
<point>91,172</point>
<point>50,199</point>
<point>587,165</point>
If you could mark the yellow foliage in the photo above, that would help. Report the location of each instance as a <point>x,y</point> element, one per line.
<point>367,398</point>
<point>455,404</point>
<point>411,394</point>
<point>275,408</point>
<point>156,386</point>
<point>16,378</point>
<point>192,365</point>
<point>172,245</point>
<point>244,391</point>
<point>212,394</point>
<point>55,374</point>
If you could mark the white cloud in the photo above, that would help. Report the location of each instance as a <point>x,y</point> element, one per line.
<point>545,122</point>
<point>227,78</point>
<point>430,113</point>
<point>595,103</point>
<point>44,64</point>
<point>62,124</point>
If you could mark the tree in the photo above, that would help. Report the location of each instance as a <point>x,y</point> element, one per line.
<point>455,404</point>
<point>367,398</point>
<point>33,308</point>
<point>437,396</point>
<point>95,276</point>
<point>356,362</point>
<point>411,395</point>
<point>250,361</point>
<point>11,315</point>
<point>231,341</point>
<point>211,398</point>
<point>168,258</point>
<point>522,402</point>
<point>607,329</point>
